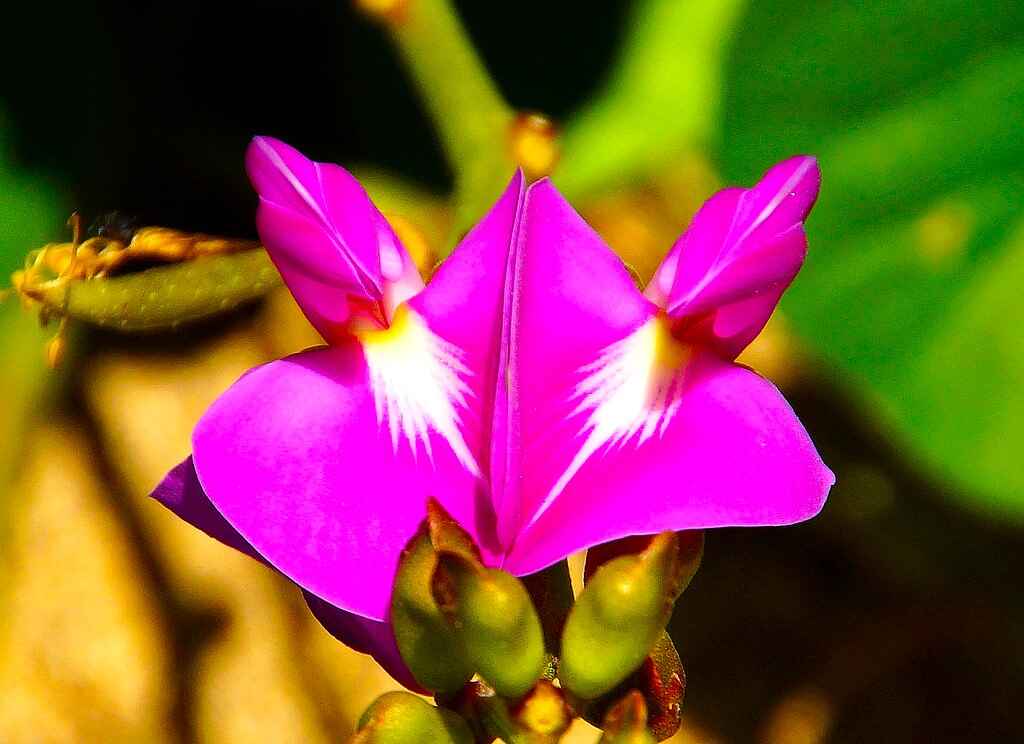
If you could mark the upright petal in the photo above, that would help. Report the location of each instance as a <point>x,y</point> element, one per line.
<point>470,302</point>
<point>323,461</point>
<point>331,244</point>
<point>574,298</point>
<point>726,273</point>
<point>631,430</point>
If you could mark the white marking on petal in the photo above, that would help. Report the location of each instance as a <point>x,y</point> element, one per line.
<point>418,382</point>
<point>632,392</point>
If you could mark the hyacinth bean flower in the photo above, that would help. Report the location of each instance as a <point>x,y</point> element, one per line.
<point>546,402</point>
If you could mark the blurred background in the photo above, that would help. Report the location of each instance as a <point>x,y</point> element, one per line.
<point>897,615</point>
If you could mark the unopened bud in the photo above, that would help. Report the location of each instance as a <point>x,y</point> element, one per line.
<point>626,722</point>
<point>534,144</point>
<point>494,619</point>
<point>403,718</point>
<point>385,10</point>
<point>544,711</point>
<point>426,641</point>
<point>620,615</point>
<point>690,552</point>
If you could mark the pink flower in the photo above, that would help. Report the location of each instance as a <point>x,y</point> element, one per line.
<point>547,403</point>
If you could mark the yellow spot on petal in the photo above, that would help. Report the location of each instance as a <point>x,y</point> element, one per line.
<point>419,387</point>
<point>670,356</point>
<point>534,142</point>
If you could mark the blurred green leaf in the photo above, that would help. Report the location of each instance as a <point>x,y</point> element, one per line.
<point>662,96</point>
<point>29,211</point>
<point>913,280</point>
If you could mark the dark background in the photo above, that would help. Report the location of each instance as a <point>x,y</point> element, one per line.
<point>147,107</point>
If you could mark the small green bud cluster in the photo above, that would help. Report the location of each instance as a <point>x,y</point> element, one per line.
<point>517,660</point>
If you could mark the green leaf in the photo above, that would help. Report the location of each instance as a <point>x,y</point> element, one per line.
<point>913,279</point>
<point>662,97</point>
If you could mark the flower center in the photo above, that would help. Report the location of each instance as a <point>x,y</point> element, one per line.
<point>419,385</point>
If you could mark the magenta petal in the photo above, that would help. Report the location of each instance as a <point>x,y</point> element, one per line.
<point>728,270</point>
<point>180,492</point>
<point>470,303</point>
<point>301,458</point>
<point>329,241</point>
<point>726,450</point>
<point>625,429</point>
<point>371,637</point>
<point>574,298</point>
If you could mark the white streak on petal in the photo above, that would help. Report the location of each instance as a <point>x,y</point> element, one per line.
<point>418,382</point>
<point>631,392</point>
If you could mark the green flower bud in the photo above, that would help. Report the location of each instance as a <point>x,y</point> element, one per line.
<point>626,722</point>
<point>426,640</point>
<point>621,614</point>
<point>494,619</point>
<point>403,718</point>
<point>690,553</point>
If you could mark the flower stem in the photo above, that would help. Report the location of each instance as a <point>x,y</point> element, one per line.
<point>472,119</point>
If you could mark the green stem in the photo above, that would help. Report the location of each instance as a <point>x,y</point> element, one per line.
<point>472,119</point>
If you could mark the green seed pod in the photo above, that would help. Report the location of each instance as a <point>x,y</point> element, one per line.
<point>403,718</point>
<point>626,722</point>
<point>619,617</point>
<point>426,640</point>
<point>495,620</point>
<point>164,297</point>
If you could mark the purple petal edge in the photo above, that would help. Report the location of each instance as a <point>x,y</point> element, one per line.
<point>371,637</point>
<point>181,492</point>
